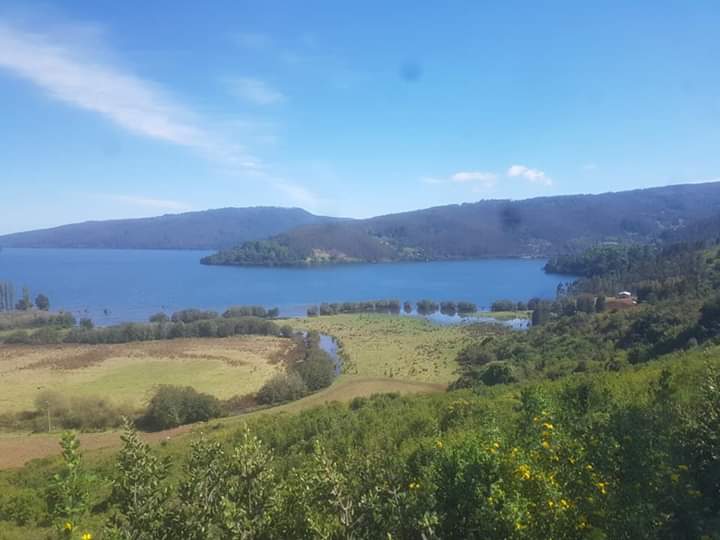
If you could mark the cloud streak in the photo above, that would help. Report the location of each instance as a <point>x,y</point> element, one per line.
<point>299,195</point>
<point>78,78</point>
<point>533,175</point>
<point>479,180</point>
<point>255,91</point>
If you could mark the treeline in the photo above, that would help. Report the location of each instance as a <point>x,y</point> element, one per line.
<point>577,332</point>
<point>423,307</point>
<point>64,328</point>
<point>594,457</point>
<point>204,328</point>
<point>234,312</point>
<point>651,272</point>
<point>8,303</point>
<point>130,332</point>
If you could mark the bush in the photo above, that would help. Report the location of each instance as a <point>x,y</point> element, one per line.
<point>497,373</point>
<point>85,413</point>
<point>192,315</point>
<point>159,318</point>
<point>21,507</point>
<point>282,387</point>
<point>316,369</point>
<point>173,406</point>
<point>503,305</point>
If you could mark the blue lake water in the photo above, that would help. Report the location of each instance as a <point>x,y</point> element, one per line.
<point>132,284</point>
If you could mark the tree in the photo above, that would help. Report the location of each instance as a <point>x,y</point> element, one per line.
<point>24,303</point>
<point>541,313</point>
<point>139,492</point>
<point>42,302</point>
<point>7,296</point>
<point>86,324</point>
<point>585,303</point>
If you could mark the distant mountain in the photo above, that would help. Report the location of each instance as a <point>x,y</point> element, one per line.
<point>495,228</point>
<point>210,229</point>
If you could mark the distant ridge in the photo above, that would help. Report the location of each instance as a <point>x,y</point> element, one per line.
<point>209,229</point>
<point>536,227</point>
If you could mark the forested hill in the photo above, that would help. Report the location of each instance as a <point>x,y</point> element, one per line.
<point>210,229</point>
<point>495,228</point>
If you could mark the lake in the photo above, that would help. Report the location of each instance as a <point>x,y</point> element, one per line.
<point>129,285</point>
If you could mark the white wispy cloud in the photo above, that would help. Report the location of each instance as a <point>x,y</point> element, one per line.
<point>479,180</point>
<point>155,204</point>
<point>76,76</point>
<point>486,178</point>
<point>299,195</point>
<point>533,175</point>
<point>255,91</point>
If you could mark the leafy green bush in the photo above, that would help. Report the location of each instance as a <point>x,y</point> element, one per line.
<point>173,406</point>
<point>282,387</point>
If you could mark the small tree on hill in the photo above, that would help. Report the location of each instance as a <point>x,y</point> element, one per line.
<point>42,302</point>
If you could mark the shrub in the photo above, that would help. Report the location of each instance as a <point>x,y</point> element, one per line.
<point>19,337</point>
<point>282,387</point>
<point>86,324</point>
<point>172,406</point>
<point>159,318</point>
<point>497,373</point>
<point>192,315</point>
<point>316,369</point>
<point>503,305</point>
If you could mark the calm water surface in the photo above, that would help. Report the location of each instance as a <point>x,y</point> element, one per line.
<point>132,284</point>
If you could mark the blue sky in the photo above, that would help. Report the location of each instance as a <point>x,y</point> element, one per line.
<point>128,109</point>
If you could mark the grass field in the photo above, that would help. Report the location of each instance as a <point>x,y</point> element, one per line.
<point>127,373</point>
<point>391,346</point>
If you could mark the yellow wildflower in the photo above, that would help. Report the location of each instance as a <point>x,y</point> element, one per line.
<point>524,472</point>
<point>602,487</point>
<point>86,536</point>
<point>545,445</point>
<point>496,444</point>
<point>564,504</point>
<point>68,526</point>
<point>551,504</point>
<point>548,426</point>
<point>439,443</point>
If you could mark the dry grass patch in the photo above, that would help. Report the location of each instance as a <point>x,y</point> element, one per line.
<point>128,372</point>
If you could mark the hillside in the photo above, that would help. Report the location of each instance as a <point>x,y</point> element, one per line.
<point>494,228</point>
<point>210,229</point>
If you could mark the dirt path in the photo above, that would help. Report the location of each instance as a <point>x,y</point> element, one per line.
<point>17,450</point>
